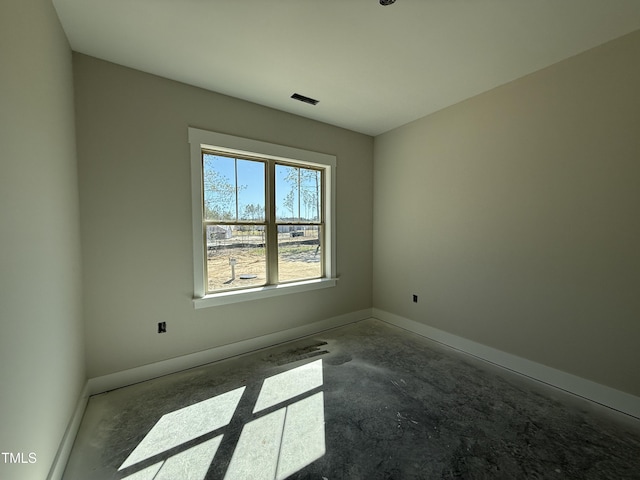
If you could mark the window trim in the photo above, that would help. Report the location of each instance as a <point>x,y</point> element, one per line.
<point>206,140</point>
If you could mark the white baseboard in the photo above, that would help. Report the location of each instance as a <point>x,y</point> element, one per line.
<point>595,392</point>
<point>64,450</point>
<point>146,372</point>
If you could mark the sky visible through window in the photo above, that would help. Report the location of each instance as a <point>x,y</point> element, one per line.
<point>225,178</point>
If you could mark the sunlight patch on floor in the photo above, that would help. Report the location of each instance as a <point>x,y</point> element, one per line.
<point>272,445</point>
<point>178,427</point>
<point>286,385</point>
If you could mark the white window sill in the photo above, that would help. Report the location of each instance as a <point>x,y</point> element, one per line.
<point>236,296</point>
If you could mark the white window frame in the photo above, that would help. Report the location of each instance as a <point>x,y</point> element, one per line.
<point>205,140</point>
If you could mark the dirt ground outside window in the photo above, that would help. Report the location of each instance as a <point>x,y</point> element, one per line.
<point>297,260</point>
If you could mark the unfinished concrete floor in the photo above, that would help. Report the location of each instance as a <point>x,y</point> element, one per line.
<point>365,401</point>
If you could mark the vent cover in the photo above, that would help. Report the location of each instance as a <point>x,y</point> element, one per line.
<point>302,98</point>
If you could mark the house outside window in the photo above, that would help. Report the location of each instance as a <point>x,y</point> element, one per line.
<point>263,218</point>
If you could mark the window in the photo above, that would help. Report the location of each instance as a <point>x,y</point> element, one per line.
<point>263,219</point>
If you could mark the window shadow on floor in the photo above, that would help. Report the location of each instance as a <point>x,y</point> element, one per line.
<point>268,431</point>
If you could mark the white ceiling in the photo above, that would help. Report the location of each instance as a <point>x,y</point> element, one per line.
<point>373,68</point>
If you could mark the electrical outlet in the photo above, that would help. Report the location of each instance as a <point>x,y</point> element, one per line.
<point>162,327</point>
<point>415,299</point>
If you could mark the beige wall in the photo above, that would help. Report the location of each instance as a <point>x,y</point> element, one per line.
<point>515,217</point>
<point>136,217</point>
<point>41,333</point>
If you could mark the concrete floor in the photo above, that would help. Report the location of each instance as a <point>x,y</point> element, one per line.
<point>365,401</point>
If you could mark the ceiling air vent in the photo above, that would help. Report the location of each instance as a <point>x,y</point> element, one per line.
<point>302,98</point>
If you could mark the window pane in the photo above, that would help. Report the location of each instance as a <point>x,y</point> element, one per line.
<point>236,256</point>
<point>219,187</point>
<point>298,194</point>
<point>299,252</point>
<point>310,189</point>
<point>287,194</point>
<point>251,199</point>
